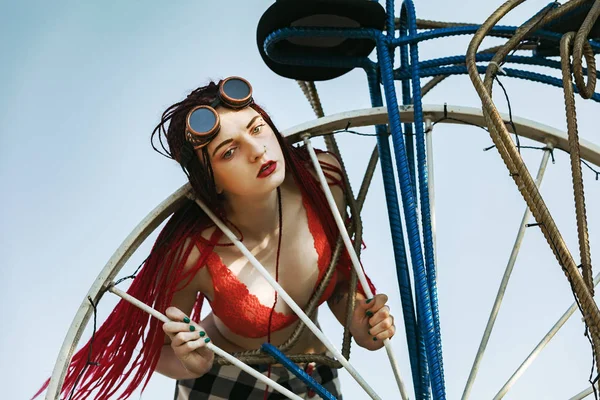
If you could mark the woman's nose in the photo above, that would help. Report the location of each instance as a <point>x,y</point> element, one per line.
<point>258,150</point>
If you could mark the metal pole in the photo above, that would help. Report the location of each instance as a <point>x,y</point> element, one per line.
<point>540,347</point>
<point>507,272</point>
<point>584,394</point>
<point>355,261</point>
<point>429,146</point>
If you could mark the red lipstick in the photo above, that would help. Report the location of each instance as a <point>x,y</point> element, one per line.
<point>267,169</point>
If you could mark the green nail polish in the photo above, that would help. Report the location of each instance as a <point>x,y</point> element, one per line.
<point>207,340</point>
<point>369,332</point>
<point>374,339</point>
<point>192,328</point>
<point>202,334</point>
<point>368,301</point>
<point>186,320</point>
<point>369,314</point>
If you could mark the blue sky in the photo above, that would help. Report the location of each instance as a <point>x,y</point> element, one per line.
<point>83,87</point>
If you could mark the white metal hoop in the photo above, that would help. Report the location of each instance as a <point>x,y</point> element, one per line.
<point>321,126</point>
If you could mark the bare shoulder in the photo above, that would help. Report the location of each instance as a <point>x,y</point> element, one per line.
<point>333,174</point>
<point>328,159</point>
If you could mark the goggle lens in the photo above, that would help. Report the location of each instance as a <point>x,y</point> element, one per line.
<point>236,89</point>
<point>202,121</point>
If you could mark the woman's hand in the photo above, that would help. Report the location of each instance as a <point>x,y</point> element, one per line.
<point>372,322</point>
<point>188,341</point>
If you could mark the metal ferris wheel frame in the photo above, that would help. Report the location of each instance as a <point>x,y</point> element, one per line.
<point>544,134</point>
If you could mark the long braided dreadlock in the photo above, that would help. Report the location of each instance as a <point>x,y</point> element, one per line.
<point>114,352</point>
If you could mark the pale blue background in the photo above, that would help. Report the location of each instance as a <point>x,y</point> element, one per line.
<point>84,83</point>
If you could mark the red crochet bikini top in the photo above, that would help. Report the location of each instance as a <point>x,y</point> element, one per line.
<point>240,310</point>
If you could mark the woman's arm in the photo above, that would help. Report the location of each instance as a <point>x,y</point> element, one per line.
<point>338,302</point>
<point>371,321</point>
<point>169,365</point>
<point>184,355</point>
<point>336,189</point>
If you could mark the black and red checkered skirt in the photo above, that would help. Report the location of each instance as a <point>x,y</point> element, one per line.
<point>229,382</point>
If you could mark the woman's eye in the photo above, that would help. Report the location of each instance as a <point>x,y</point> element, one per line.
<point>228,154</point>
<point>257,129</point>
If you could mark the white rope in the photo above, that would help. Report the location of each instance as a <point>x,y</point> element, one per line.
<point>355,261</point>
<point>289,301</point>
<point>269,382</point>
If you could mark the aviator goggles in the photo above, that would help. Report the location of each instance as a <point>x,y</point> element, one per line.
<point>203,123</point>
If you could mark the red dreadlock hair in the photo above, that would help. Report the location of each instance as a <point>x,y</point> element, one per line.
<point>114,348</point>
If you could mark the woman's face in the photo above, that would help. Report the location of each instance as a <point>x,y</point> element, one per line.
<point>245,155</point>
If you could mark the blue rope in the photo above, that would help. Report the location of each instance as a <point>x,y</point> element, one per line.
<point>510,72</point>
<point>421,390</point>
<point>482,57</point>
<point>416,346</point>
<point>296,370</point>
<point>407,99</point>
<point>408,10</point>
<point>295,59</point>
<point>424,314</point>
<point>498,30</point>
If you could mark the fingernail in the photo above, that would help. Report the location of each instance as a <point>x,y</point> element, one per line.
<point>374,339</point>
<point>368,301</point>
<point>186,320</point>
<point>369,314</point>
<point>369,332</point>
<point>207,340</point>
<point>192,328</point>
<point>202,334</point>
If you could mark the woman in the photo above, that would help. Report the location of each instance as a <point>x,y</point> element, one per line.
<point>267,192</point>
